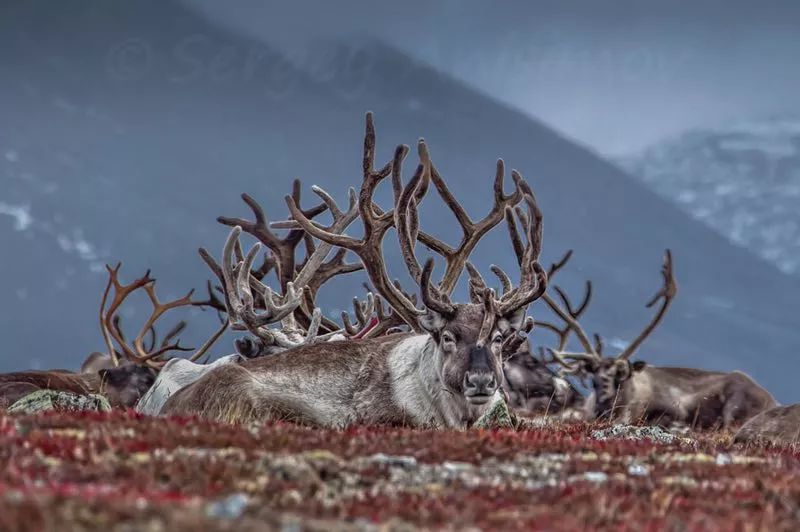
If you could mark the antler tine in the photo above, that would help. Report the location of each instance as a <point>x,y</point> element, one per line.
<point>598,344</point>
<point>107,323</point>
<point>477,284</point>
<point>365,316</point>
<point>666,295</point>
<point>239,296</point>
<point>560,358</point>
<point>568,310</point>
<point>533,278</point>
<point>431,296</point>
<point>505,280</point>
<point>406,216</point>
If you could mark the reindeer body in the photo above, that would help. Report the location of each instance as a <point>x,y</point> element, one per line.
<point>670,395</point>
<point>779,425</point>
<point>388,380</point>
<point>122,386</point>
<point>176,374</point>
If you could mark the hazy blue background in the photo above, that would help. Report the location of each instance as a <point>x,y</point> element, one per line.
<point>127,127</point>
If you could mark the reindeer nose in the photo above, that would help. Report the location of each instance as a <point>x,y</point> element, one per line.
<point>479,383</point>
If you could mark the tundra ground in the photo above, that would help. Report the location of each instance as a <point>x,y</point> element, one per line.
<point>122,471</point>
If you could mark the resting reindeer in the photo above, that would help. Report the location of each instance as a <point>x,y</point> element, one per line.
<point>779,425</point>
<point>444,374</point>
<point>635,391</point>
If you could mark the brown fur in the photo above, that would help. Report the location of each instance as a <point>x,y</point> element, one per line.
<point>698,398</point>
<point>121,386</point>
<point>779,425</point>
<point>531,385</point>
<point>341,383</point>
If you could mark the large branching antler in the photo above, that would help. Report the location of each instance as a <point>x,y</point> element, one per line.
<point>240,299</point>
<point>472,232</point>
<point>376,222</point>
<point>145,349</point>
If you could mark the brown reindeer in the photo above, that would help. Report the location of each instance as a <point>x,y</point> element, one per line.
<point>779,425</point>
<point>635,391</point>
<point>445,373</point>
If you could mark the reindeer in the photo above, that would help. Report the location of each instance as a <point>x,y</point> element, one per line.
<point>635,391</point>
<point>445,373</point>
<point>779,425</point>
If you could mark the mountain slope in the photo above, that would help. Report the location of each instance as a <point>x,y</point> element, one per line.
<point>106,159</point>
<point>742,181</point>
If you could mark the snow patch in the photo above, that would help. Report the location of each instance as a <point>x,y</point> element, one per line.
<point>20,213</point>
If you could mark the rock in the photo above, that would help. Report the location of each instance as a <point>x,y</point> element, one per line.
<point>231,507</point>
<point>497,417</point>
<point>44,400</point>
<point>630,432</point>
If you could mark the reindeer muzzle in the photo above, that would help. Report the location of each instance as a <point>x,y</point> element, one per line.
<point>479,386</point>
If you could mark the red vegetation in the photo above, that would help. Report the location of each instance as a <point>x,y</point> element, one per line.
<point>67,470</point>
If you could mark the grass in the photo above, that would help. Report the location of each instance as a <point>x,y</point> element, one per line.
<point>119,470</point>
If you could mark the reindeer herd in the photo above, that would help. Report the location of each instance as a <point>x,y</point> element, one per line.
<point>422,361</point>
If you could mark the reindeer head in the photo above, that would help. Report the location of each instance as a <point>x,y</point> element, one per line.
<point>608,376</point>
<point>125,385</point>
<point>470,337</point>
<point>530,383</point>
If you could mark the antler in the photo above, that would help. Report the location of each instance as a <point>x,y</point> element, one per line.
<point>376,222</point>
<point>365,317</point>
<point>140,353</point>
<point>666,295</point>
<point>282,249</point>
<point>239,297</point>
<point>472,232</point>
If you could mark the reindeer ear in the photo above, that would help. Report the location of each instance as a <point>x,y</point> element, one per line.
<point>432,321</point>
<point>639,365</point>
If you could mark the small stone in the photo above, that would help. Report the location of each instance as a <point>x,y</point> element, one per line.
<point>638,470</point>
<point>231,507</point>
<point>406,462</point>
<point>723,459</point>
<point>630,432</point>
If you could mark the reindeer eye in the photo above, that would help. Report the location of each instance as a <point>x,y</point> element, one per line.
<point>448,337</point>
<point>497,337</point>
